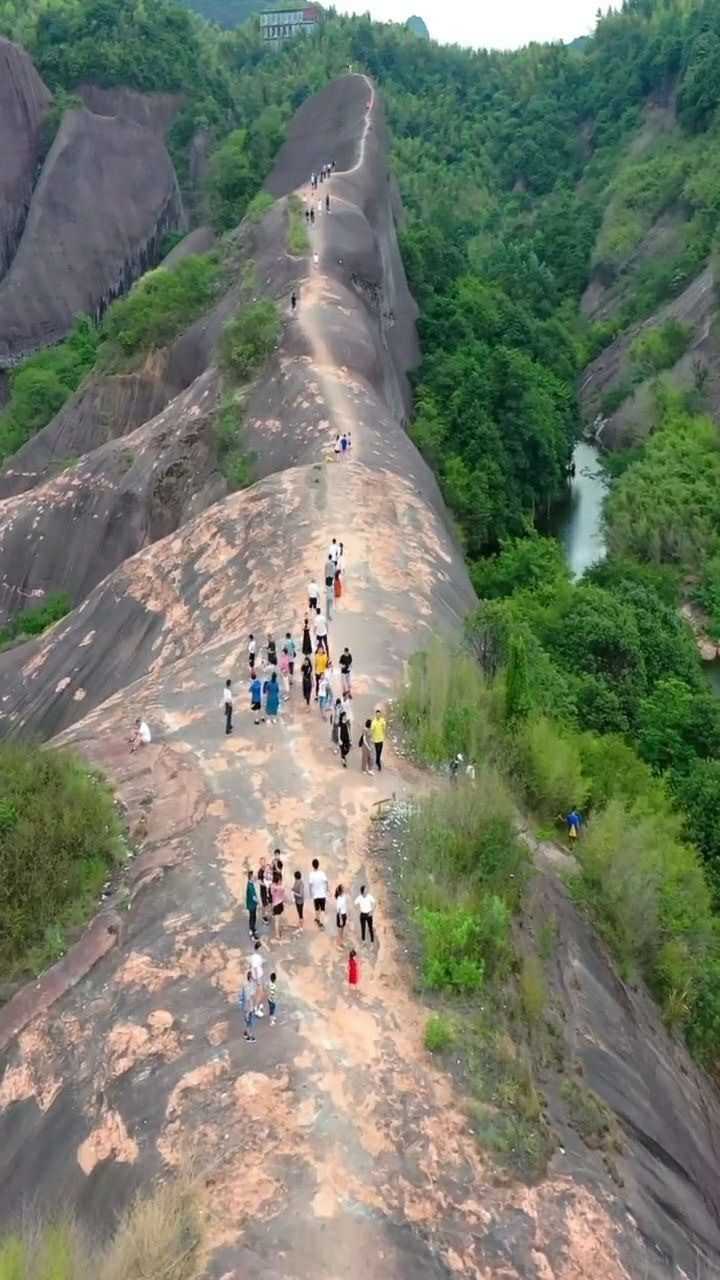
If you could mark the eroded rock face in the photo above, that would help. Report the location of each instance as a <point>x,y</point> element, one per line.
<point>24,100</point>
<point>70,532</point>
<point>106,196</point>
<point>155,111</point>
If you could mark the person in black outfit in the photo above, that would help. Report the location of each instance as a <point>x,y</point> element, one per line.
<point>344,738</point>
<point>307,679</point>
<point>307,639</point>
<point>228,705</point>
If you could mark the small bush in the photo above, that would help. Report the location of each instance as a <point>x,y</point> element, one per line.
<point>588,1115</point>
<point>259,206</point>
<point>298,238</point>
<point>32,622</point>
<point>158,1238</point>
<point>160,305</point>
<point>549,768</point>
<point>448,707</point>
<point>60,839</point>
<point>42,384</point>
<point>439,1034</point>
<point>249,339</point>
<point>661,348</point>
<point>234,460</point>
<point>451,951</point>
<point>533,990</point>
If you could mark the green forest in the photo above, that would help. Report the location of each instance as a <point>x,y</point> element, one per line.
<point>524,176</point>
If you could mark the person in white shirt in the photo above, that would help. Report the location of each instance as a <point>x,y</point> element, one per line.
<point>313,595</point>
<point>341,912</point>
<point>366,905</point>
<point>318,882</point>
<point>334,551</point>
<point>140,736</point>
<point>321,632</point>
<point>257,969</point>
<point>228,705</point>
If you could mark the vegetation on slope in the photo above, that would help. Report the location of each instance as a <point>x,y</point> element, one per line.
<point>158,1238</point>
<point>42,384</point>
<point>59,840</point>
<point>32,622</point>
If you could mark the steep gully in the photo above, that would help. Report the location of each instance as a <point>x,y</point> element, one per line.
<point>332,1147</point>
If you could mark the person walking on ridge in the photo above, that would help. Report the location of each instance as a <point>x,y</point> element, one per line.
<point>365,752</point>
<point>256,696</point>
<point>307,680</point>
<point>321,662</point>
<point>318,882</point>
<point>341,912</point>
<point>228,705</point>
<point>252,901</point>
<point>293,301</point>
<point>271,690</point>
<point>345,740</point>
<point>377,733</point>
<point>346,671</point>
<point>321,632</point>
<point>366,906</point>
<point>313,596</point>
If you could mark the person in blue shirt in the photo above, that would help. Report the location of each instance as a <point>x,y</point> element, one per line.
<point>256,697</point>
<point>574,823</point>
<point>272,697</point>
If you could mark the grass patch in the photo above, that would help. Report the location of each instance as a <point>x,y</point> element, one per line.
<point>259,206</point>
<point>533,991</point>
<point>508,1115</point>
<point>298,238</point>
<point>32,622</point>
<point>448,707</point>
<point>59,838</point>
<point>42,384</point>
<point>439,1033</point>
<point>159,306</point>
<point>234,459</point>
<point>158,1238</point>
<point>590,1117</point>
<point>249,339</point>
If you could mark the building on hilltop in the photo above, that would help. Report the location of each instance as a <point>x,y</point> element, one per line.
<point>287,21</point>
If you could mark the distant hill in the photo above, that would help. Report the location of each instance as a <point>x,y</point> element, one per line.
<point>226,13</point>
<point>419,26</point>
<point>580,42</point>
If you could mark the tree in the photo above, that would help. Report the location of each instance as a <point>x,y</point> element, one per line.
<point>518,703</point>
<point>676,725</point>
<point>230,182</point>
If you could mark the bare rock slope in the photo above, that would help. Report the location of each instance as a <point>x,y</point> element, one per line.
<point>119,178</point>
<point>24,100</point>
<point>332,1146</point>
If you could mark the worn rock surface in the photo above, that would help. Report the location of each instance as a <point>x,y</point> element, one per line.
<point>106,196</point>
<point>24,100</point>
<point>332,1146</point>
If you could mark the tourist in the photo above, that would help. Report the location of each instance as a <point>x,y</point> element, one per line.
<point>377,733</point>
<point>252,652</point>
<point>246,1001</point>
<point>284,667</point>
<point>252,901</point>
<point>271,690</point>
<point>272,998</point>
<point>140,736</point>
<point>264,878</point>
<point>353,969</point>
<point>271,658</point>
<point>292,655</point>
<point>318,884</point>
<point>228,705</point>
<point>257,969</point>
<point>346,671</point>
<point>345,737</point>
<point>341,912</point>
<point>327,204</point>
<point>574,823</point>
<point>298,892</point>
<point>365,904</point>
<point>364,745</point>
<point>306,638</point>
<point>256,697</point>
<point>329,572</point>
<point>320,664</point>
<point>277,896</point>
<point>334,551</point>
<point>313,596</point>
<point>307,681</point>
<point>335,725</point>
<point>325,696</point>
<point>321,632</point>
<point>293,301</point>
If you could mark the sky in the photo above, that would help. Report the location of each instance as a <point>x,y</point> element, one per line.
<point>497,24</point>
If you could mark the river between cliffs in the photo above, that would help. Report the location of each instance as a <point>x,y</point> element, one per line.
<point>577,521</point>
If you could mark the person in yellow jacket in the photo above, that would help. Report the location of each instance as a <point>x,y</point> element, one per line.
<point>321,663</point>
<point>377,732</point>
